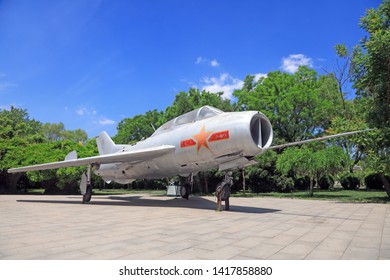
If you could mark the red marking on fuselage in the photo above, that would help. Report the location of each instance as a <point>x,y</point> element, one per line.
<point>187,143</point>
<point>218,136</point>
<point>203,138</point>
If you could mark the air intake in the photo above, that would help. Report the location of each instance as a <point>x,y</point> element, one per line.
<point>261,131</point>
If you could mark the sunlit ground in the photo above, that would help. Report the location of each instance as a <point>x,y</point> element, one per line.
<point>336,194</point>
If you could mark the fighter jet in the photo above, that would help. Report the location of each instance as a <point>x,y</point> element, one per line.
<point>200,140</point>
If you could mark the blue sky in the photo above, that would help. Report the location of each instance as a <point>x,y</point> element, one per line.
<point>91,63</point>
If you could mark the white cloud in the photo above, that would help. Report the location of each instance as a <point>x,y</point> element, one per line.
<point>214,63</point>
<point>105,121</point>
<point>259,75</point>
<point>211,62</point>
<point>81,111</point>
<point>92,116</point>
<point>8,107</point>
<point>224,83</point>
<point>291,63</point>
<point>200,60</point>
<point>4,85</point>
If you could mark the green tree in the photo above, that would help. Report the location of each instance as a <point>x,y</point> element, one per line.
<point>16,123</point>
<point>132,130</point>
<point>187,101</point>
<point>263,177</point>
<point>77,135</point>
<point>17,131</point>
<point>354,146</point>
<point>53,131</point>
<point>298,105</point>
<point>341,72</point>
<point>56,132</point>
<point>310,162</point>
<point>25,142</point>
<point>63,180</point>
<point>371,77</point>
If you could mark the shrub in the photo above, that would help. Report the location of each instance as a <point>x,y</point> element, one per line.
<point>326,182</point>
<point>261,182</point>
<point>284,184</point>
<point>373,182</point>
<point>349,182</point>
<point>302,184</point>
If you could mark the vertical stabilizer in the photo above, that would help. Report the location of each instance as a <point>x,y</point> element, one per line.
<point>105,144</point>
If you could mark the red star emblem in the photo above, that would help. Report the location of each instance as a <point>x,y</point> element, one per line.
<point>201,138</point>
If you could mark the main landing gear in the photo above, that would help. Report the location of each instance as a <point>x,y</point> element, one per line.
<point>223,190</point>
<point>85,186</point>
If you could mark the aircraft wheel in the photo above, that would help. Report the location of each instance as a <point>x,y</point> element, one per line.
<point>185,191</point>
<point>88,194</point>
<point>227,204</point>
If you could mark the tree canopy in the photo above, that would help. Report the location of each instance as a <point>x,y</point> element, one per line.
<point>299,105</point>
<point>25,141</point>
<point>371,78</point>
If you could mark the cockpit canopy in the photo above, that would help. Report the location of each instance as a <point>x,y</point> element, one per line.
<point>190,117</point>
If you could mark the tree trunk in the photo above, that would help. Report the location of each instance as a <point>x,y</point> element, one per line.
<point>388,92</point>
<point>197,185</point>
<point>311,186</point>
<point>385,183</point>
<point>206,182</point>
<point>243,180</point>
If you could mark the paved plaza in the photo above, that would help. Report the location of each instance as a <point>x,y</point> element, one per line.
<point>156,227</point>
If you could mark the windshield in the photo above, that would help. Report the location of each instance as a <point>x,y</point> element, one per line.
<point>190,117</point>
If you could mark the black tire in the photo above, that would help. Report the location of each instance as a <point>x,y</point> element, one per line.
<point>88,194</point>
<point>227,204</point>
<point>185,191</point>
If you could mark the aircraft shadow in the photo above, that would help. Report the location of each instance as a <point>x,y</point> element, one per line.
<point>194,202</point>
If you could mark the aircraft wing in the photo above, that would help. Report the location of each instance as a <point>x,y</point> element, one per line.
<point>317,139</point>
<point>129,156</point>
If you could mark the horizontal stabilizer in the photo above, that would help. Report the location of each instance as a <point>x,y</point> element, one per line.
<point>71,156</point>
<point>127,156</point>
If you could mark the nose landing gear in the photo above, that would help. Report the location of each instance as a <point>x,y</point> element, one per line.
<point>186,187</point>
<point>223,191</point>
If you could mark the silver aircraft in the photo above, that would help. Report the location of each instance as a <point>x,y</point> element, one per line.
<point>202,139</point>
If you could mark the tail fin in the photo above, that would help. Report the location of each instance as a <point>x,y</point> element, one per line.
<point>105,144</point>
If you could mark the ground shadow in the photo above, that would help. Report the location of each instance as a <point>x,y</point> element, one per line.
<point>195,202</point>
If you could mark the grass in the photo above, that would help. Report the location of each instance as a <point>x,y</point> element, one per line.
<point>334,195</point>
<point>125,191</point>
<point>104,192</point>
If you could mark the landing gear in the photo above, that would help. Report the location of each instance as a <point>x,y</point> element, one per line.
<point>85,186</point>
<point>88,194</point>
<point>223,191</point>
<point>186,187</point>
<point>185,190</point>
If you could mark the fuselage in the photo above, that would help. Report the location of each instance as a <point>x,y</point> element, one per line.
<point>223,140</point>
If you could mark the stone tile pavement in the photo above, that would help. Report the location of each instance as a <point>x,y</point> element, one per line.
<point>147,227</point>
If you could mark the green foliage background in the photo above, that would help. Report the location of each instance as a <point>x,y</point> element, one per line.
<point>301,106</point>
